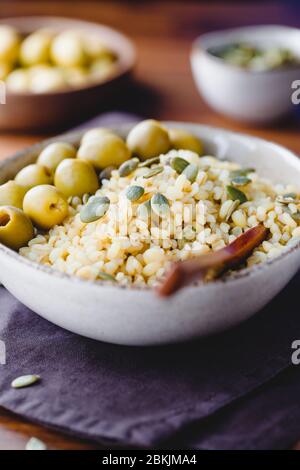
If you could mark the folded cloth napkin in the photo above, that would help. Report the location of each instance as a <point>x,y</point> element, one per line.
<point>146,396</point>
<point>211,393</point>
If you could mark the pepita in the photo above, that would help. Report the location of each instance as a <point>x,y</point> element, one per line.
<point>128,167</point>
<point>178,164</point>
<point>295,215</point>
<point>241,172</point>
<point>85,198</point>
<point>154,172</point>
<point>287,198</point>
<point>133,193</point>
<point>235,204</point>
<point>106,276</point>
<point>25,381</point>
<point>236,194</point>
<point>160,205</point>
<point>35,444</point>
<point>96,207</point>
<point>105,174</point>
<point>180,243</point>
<point>191,172</point>
<point>149,162</point>
<point>240,181</point>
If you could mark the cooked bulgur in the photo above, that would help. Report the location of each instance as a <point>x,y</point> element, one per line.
<point>202,216</point>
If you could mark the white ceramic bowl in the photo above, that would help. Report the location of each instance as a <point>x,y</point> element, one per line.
<point>255,97</point>
<point>134,316</point>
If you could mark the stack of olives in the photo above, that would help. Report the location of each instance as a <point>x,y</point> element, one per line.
<point>39,194</point>
<point>44,61</point>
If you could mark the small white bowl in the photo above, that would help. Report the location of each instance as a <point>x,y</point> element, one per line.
<point>134,316</point>
<point>257,97</point>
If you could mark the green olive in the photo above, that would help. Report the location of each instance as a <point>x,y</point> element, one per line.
<point>9,44</point>
<point>75,178</point>
<point>181,139</point>
<point>67,49</point>
<point>46,79</point>
<point>55,153</point>
<point>11,194</point>
<point>45,206</point>
<point>105,151</point>
<point>16,228</point>
<point>5,69</point>
<point>95,134</point>
<point>18,81</point>
<point>148,139</point>
<point>35,48</point>
<point>33,175</point>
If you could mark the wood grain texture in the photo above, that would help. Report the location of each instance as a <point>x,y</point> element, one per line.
<point>163,88</point>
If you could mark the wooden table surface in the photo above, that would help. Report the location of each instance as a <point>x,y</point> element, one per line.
<point>163,32</point>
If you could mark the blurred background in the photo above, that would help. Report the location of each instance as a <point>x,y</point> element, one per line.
<point>163,32</point>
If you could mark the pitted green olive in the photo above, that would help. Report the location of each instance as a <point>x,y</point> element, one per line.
<point>33,175</point>
<point>148,139</point>
<point>35,48</point>
<point>95,134</point>
<point>75,177</point>
<point>9,44</point>
<point>67,49</point>
<point>105,151</point>
<point>16,228</point>
<point>11,194</point>
<point>45,206</point>
<point>180,139</point>
<point>55,153</point>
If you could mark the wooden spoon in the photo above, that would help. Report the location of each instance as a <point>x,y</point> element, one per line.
<point>213,264</point>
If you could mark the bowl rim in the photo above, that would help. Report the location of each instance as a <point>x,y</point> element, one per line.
<point>124,66</point>
<point>234,277</point>
<point>198,47</point>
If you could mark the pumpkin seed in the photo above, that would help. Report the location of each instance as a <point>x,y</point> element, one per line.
<point>178,164</point>
<point>160,205</point>
<point>235,204</point>
<point>241,172</point>
<point>133,193</point>
<point>191,172</point>
<point>154,172</point>
<point>240,181</point>
<point>236,194</point>
<point>180,243</point>
<point>295,215</point>
<point>25,381</point>
<point>128,167</point>
<point>35,444</point>
<point>287,198</point>
<point>96,208</point>
<point>85,198</point>
<point>144,210</point>
<point>149,162</point>
<point>105,174</point>
<point>106,276</point>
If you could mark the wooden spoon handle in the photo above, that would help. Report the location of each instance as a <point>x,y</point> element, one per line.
<point>213,264</point>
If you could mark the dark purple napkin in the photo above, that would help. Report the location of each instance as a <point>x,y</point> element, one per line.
<point>148,396</point>
<point>232,390</point>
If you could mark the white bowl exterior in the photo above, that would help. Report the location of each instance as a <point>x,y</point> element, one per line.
<point>137,316</point>
<point>257,97</point>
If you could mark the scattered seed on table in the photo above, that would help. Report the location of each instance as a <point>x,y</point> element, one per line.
<point>35,444</point>
<point>25,381</point>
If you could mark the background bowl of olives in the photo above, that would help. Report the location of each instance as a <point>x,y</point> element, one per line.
<point>247,73</point>
<point>57,70</point>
